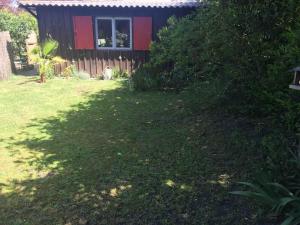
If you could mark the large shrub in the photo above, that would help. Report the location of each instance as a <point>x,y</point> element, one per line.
<point>249,45</point>
<point>174,58</point>
<point>19,25</point>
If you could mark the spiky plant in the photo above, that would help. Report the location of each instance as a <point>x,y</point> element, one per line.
<point>44,56</point>
<point>276,199</point>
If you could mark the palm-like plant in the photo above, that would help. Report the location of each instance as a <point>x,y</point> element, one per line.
<point>276,199</point>
<point>44,56</point>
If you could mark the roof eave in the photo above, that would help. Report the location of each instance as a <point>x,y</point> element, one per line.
<point>26,4</point>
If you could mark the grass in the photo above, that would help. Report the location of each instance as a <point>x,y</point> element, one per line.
<point>92,152</point>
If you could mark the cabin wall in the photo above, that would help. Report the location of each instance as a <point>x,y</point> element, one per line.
<point>56,22</point>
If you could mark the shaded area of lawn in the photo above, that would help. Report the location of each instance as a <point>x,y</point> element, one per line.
<point>124,158</point>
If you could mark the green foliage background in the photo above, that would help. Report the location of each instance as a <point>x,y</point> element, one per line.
<point>19,25</point>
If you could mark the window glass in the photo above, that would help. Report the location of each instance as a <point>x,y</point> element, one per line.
<point>122,33</point>
<point>104,39</point>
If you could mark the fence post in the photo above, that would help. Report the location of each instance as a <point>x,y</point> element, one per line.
<point>6,57</point>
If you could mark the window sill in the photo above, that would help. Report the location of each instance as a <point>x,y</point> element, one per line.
<point>115,49</point>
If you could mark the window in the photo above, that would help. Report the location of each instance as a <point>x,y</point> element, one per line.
<point>105,35</point>
<point>113,33</point>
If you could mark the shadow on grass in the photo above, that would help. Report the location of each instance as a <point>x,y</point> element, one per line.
<point>120,158</point>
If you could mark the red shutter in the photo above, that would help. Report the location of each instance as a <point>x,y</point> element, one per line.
<point>142,33</point>
<point>83,32</point>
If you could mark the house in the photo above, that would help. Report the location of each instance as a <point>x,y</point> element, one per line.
<point>99,34</point>
<point>5,4</point>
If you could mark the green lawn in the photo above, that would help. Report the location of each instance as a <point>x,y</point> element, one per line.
<point>92,152</point>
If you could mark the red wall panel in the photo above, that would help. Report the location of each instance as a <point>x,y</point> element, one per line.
<point>83,32</point>
<point>142,33</point>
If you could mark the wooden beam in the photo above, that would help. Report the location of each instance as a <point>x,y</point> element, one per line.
<point>28,10</point>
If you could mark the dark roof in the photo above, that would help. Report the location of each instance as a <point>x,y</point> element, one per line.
<point>113,3</point>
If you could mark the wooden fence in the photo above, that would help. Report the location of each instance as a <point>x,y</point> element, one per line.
<point>6,59</point>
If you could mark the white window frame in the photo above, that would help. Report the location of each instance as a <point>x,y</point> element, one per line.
<point>113,24</point>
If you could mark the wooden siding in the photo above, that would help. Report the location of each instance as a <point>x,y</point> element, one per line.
<point>56,22</point>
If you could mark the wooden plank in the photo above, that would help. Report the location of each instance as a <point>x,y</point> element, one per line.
<point>98,63</point>
<point>131,62</point>
<point>93,64</point>
<point>80,61</point>
<point>76,60</point>
<point>120,61</point>
<point>101,59</point>
<point>86,58</point>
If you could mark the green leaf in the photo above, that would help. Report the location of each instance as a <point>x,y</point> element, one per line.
<point>281,187</point>
<point>260,197</point>
<point>288,221</point>
<point>255,187</point>
<point>296,221</point>
<point>49,48</point>
<point>283,203</point>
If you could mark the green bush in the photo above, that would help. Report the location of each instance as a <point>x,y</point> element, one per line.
<point>173,59</point>
<point>119,74</point>
<point>19,25</point>
<point>69,71</point>
<point>145,79</point>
